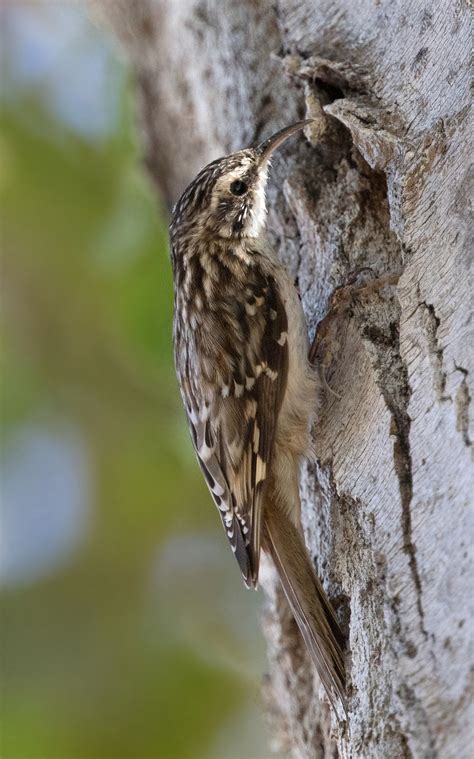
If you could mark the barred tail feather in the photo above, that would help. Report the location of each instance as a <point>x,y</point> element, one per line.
<point>311,608</point>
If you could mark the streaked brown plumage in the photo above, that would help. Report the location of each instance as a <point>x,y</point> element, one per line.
<point>249,390</point>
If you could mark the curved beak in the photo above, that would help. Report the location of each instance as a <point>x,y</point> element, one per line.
<point>266,148</point>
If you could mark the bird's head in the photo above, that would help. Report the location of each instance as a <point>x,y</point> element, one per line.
<point>227,198</point>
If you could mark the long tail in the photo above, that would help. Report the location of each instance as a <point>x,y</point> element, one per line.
<point>310,606</point>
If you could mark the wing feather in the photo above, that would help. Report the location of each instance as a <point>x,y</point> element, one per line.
<point>233,413</point>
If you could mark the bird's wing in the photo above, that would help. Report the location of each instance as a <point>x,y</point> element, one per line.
<point>233,409</point>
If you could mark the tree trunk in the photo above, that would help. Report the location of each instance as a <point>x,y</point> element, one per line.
<point>371,218</point>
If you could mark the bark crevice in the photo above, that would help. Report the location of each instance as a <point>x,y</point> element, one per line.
<point>431,324</point>
<point>463,402</point>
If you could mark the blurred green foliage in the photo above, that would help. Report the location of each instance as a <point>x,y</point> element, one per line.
<point>99,659</point>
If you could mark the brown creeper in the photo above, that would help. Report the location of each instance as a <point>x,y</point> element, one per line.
<point>241,352</point>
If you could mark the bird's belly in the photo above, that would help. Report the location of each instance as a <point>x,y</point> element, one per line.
<point>301,397</point>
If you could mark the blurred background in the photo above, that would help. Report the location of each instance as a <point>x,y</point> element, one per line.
<point>125,629</point>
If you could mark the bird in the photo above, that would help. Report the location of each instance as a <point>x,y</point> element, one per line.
<point>248,387</point>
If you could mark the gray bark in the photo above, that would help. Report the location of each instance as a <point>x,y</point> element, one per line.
<point>377,206</point>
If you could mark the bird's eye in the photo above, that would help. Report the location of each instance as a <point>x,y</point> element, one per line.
<point>238,187</point>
